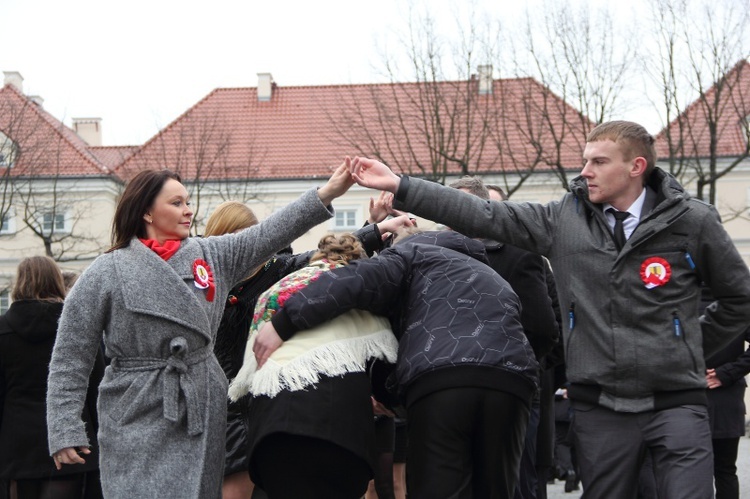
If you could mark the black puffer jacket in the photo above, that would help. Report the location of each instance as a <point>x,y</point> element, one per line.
<point>457,320</point>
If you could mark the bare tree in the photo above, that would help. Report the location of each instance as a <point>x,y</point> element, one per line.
<point>430,121</point>
<point>200,147</point>
<point>470,122</point>
<point>578,59</point>
<point>704,80</point>
<point>37,186</point>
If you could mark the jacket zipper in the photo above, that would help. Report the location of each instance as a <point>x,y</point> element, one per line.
<point>572,316</point>
<point>679,334</point>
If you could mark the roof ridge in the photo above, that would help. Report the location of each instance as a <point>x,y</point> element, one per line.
<point>56,125</point>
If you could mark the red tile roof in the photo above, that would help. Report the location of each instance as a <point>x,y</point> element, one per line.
<point>304,130</point>
<point>113,156</point>
<point>732,109</point>
<point>46,146</point>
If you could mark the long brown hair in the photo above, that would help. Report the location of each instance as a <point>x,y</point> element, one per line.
<point>229,217</point>
<point>339,249</point>
<point>138,197</point>
<point>38,278</point>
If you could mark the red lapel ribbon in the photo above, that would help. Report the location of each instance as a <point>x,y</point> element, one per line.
<point>204,279</point>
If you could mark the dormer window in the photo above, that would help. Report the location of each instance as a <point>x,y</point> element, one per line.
<point>8,151</point>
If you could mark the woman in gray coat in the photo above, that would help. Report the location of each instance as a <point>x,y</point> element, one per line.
<point>157,298</point>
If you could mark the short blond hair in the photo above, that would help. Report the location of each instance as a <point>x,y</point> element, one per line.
<point>633,139</point>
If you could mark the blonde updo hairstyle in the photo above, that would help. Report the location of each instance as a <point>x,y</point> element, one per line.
<point>229,217</point>
<point>339,249</point>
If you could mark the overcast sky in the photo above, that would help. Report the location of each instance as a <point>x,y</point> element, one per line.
<point>139,64</point>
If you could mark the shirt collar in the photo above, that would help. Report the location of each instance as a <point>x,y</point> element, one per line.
<point>634,209</point>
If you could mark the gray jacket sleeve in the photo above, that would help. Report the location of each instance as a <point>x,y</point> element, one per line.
<point>726,274</point>
<point>78,339</point>
<point>238,253</point>
<point>530,226</point>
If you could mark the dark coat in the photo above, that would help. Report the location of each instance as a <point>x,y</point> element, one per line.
<point>27,335</point>
<point>726,404</point>
<point>526,273</point>
<point>457,320</point>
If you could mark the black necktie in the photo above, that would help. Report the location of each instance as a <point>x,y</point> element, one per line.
<point>619,232</point>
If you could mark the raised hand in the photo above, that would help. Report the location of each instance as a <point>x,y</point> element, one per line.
<point>338,184</point>
<point>380,208</point>
<point>374,174</point>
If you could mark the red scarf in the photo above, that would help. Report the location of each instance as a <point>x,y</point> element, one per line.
<point>165,252</point>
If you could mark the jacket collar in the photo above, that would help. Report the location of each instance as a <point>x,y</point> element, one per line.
<point>161,288</point>
<point>668,192</point>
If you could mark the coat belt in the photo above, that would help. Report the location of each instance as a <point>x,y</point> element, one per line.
<point>177,379</point>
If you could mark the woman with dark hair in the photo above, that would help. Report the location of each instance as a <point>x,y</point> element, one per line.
<point>27,335</point>
<point>229,217</point>
<point>157,298</point>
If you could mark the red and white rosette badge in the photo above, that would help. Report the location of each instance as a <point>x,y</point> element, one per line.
<point>655,271</point>
<point>204,279</point>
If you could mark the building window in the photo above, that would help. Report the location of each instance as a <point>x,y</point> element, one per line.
<point>8,223</point>
<point>345,219</point>
<point>53,222</point>
<point>4,301</point>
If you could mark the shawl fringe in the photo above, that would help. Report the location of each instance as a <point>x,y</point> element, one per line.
<point>334,358</point>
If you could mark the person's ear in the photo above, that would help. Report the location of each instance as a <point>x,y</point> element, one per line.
<point>148,218</point>
<point>638,167</point>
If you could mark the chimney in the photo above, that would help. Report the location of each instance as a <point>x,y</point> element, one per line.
<point>265,87</point>
<point>37,99</point>
<point>485,79</point>
<point>89,129</point>
<point>14,78</point>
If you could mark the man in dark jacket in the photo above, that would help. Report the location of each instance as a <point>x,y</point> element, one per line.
<point>629,248</point>
<point>465,372</point>
<point>526,272</point>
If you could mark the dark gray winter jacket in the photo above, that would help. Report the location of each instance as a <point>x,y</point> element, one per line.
<point>457,320</point>
<point>634,337</point>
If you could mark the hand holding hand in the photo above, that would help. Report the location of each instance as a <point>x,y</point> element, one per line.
<point>338,184</point>
<point>70,455</point>
<point>374,174</point>
<point>391,225</point>
<point>266,343</point>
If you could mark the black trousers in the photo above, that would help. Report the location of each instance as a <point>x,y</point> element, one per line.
<point>725,468</point>
<point>465,443</point>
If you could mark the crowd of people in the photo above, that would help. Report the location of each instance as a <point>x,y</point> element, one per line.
<point>390,361</point>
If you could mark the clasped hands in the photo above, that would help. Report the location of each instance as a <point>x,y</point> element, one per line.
<point>367,173</point>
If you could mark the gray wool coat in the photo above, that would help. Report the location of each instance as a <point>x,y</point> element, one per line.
<point>162,402</point>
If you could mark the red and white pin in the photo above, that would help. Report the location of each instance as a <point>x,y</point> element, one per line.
<point>204,279</point>
<point>655,271</point>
